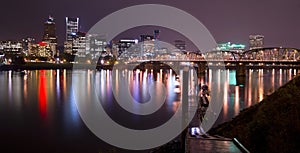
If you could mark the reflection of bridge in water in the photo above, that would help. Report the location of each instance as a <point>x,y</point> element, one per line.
<point>271,57</point>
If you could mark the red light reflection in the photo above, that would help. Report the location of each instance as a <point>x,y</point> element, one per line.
<point>42,94</point>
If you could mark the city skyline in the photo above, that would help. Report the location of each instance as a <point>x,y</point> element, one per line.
<point>227,21</point>
<point>150,76</point>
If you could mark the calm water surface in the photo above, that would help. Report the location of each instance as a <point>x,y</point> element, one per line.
<point>38,111</point>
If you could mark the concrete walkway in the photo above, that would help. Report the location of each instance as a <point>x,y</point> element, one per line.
<point>210,144</point>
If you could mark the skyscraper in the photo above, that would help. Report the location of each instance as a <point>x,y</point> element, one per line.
<point>72,27</point>
<point>49,36</point>
<point>79,44</point>
<point>50,31</point>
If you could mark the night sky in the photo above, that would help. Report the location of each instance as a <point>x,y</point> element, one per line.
<point>227,20</point>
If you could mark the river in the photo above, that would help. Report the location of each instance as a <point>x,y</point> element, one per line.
<point>39,114</point>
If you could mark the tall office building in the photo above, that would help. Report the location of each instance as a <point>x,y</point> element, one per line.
<point>96,45</point>
<point>50,36</point>
<point>256,41</point>
<point>26,42</point>
<point>72,27</point>
<point>50,31</point>
<point>79,45</point>
<point>147,45</point>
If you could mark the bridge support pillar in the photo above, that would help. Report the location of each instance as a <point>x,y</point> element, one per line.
<point>240,69</point>
<point>201,69</point>
<point>240,81</point>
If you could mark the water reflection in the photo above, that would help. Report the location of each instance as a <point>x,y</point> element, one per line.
<point>10,92</point>
<point>42,94</point>
<point>242,92</point>
<point>51,87</point>
<point>46,96</point>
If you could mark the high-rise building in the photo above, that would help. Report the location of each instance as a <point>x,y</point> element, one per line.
<point>68,47</point>
<point>50,35</point>
<point>27,43</point>
<point>33,49</point>
<point>72,27</point>
<point>125,44</point>
<point>50,31</point>
<point>256,41</point>
<point>96,45</point>
<point>147,45</point>
<point>44,50</point>
<point>41,51</point>
<point>79,45</point>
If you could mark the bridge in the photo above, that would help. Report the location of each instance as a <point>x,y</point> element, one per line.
<point>260,55</point>
<point>269,57</point>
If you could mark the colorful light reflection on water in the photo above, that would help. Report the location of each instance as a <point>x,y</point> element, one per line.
<point>44,96</point>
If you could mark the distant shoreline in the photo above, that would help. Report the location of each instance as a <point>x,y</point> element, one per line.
<point>45,66</point>
<point>70,66</point>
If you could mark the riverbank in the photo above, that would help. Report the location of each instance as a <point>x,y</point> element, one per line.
<point>142,66</point>
<point>48,66</point>
<point>36,66</point>
<point>273,125</point>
